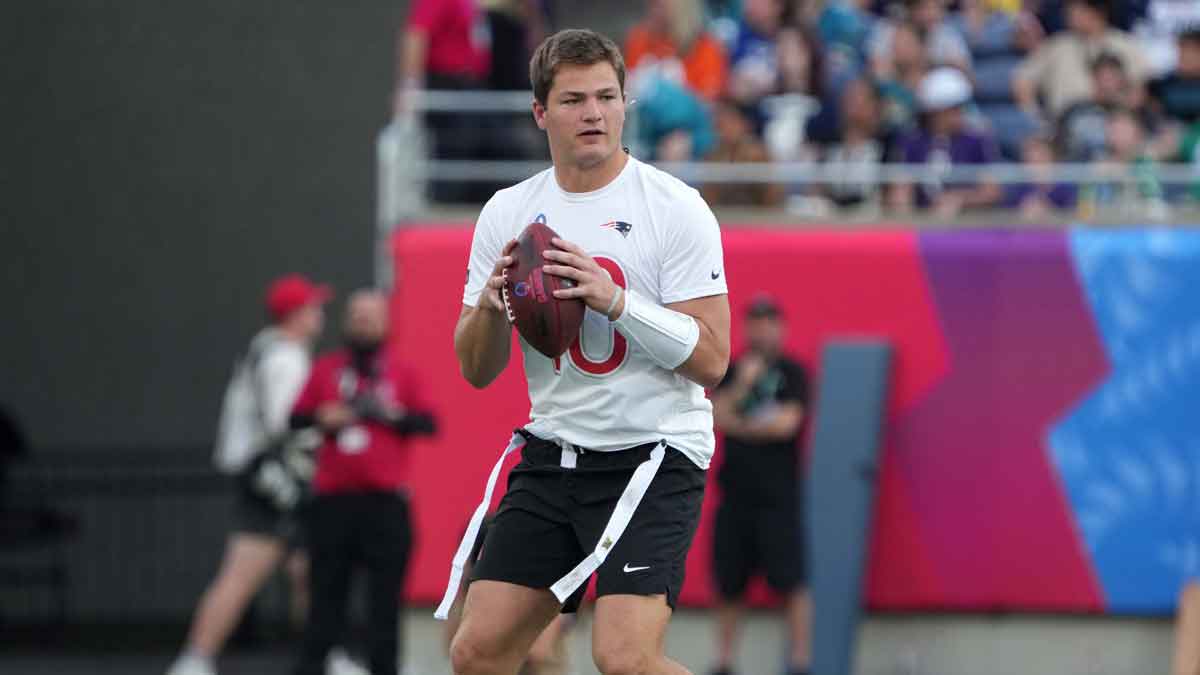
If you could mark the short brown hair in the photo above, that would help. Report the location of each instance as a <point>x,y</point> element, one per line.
<point>576,46</point>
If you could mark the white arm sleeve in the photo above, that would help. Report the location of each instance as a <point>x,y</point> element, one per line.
<point>669,337</point>
<point>281,375</point>
<point>693,263</point>
<point>486,244</point>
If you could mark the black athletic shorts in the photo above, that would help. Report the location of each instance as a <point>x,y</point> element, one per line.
<point>252,515</point>
<point>551,518</point>
<point>751,538</point>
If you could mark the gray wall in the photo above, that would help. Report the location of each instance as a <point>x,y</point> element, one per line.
<point>162,161</point>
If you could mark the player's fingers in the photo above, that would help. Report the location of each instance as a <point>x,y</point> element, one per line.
<point>568,246</point>
<point>496,299</point>
<point>503,263</point>
<point>563,271</point>
<point>572,259</point>
<point>566,293</point>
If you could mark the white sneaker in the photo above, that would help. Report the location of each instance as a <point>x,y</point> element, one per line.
<point>340,663</point>
<point>192,665</point>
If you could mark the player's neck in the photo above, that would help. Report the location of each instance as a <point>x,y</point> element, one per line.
<point>578,179</point>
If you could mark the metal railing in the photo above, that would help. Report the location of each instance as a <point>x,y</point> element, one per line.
<point>799,173</point>
<point>406,168</point>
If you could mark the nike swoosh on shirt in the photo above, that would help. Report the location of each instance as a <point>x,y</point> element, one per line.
<point>716,275</point>
<point>627,569</point>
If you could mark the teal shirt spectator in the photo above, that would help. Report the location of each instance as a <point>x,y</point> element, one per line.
<point>665,106</point>
<point>899,106</point>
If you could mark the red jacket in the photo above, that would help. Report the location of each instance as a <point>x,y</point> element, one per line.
<point>371,455</point>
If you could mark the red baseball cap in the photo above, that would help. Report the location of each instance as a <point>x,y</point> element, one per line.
<point>291,292</point>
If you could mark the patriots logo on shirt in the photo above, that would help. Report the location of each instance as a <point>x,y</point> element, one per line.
<point>620,226</point>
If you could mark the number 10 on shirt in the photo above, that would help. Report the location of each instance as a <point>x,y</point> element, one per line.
<point>620,348</point>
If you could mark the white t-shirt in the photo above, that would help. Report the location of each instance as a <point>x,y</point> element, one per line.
<point>259,398</point>
<point>656,236</point>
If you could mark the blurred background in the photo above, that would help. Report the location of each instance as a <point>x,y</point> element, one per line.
<point>1003,191</point>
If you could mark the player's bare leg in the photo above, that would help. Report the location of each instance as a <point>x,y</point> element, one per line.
<point>799,620</point>
<point>1186,660</point>
<point>729,617</point>
<point>299,600</point>
<point>629,634</point>
<point>548,655</point>
<point>249,560</point>
<point>500,623</point>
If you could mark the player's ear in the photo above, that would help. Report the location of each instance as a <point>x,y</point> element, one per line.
<point>539,114</point>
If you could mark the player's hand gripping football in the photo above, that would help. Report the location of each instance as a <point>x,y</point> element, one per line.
<point>593,284</point>
<point>493,290</point>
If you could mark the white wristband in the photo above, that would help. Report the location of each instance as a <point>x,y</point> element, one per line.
<point>667,336</point>
<point>616,298</point>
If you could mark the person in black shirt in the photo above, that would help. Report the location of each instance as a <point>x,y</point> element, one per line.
<point>1178,94</point>
<point>760,408</point>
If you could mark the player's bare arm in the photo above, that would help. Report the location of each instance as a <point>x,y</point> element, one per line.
<point>708,360</point>
<point>483,336</point>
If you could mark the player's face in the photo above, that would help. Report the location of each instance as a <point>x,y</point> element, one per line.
<point>584,114</point>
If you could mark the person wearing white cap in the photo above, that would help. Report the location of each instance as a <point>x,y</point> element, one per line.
<point>944,140</point>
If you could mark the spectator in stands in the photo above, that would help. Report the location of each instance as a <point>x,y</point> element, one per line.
<point>990,30</point>
<point>898,93</point>
<point>254,417</point>
<point>675,67</point>
<point>769,55</point>
<point>672,38</point>
<point>367,405</point>
<point>1189,151</point>
<point>1082,127</point>
<point>772,74</point>
<point>1041,196</point>
<point>760,407</point>
<point>860,149</point>
<point>842,29</point>
<point>672,122</point>
<point>945,141</point>
<point>943,45</point>
<point>998,40</point>
<point>515,27</point>
<point>1135,190</point>
<point>1057,73</point>
<point>736,142</point>
<point>1158,24</point>
<point>446,46</point>
<point>1178,94</point>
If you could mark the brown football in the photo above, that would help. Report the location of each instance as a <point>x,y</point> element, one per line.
<point>546,322</point>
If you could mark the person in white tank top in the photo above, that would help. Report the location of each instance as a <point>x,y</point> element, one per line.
<point>620,431</point>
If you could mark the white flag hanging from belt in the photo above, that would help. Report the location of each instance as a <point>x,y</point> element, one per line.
<point>627,504</point>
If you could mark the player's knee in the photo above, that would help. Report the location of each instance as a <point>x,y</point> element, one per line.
<point>544,659</point>
<point>616,659</point>
<point>469,656</point>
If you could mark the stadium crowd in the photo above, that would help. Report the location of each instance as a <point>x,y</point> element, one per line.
<point>856,84</point>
